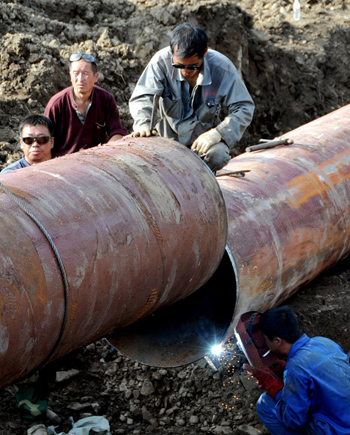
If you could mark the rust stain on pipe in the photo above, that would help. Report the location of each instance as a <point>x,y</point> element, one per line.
<point>289,217</point>
<point>142,228</point>
<point>138,225</point>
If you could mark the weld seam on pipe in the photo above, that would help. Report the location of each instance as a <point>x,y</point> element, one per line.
<point>63,275</point>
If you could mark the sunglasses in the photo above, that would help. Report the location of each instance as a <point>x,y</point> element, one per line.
<point>189,67</point>
<point>40,140</point>
<point>77,56</point>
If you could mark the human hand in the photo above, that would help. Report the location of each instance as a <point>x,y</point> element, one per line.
<point>143,131</point>
<point>205,141</point>
<point>267,379</point>
<point>217,157</point>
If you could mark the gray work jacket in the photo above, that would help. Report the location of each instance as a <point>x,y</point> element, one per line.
<point>184,115</point>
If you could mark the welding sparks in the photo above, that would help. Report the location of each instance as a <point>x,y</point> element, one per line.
<point>217,349</point>
<point>227,360</point>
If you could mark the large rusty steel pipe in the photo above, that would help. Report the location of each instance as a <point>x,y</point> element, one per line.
<point>289,220</point>
<point>138,225</point>
<point>289,217</point>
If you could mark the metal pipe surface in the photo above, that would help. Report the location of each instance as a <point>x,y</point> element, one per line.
<point>289,220</point>
<point>289,217</point>
<point>138,225</point>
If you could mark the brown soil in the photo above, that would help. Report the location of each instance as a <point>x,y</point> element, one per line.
<point>296,71</point>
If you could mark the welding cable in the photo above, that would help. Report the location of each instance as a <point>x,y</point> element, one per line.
<point>63,275</point>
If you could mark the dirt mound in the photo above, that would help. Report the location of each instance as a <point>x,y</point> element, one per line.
<point>295,70</point>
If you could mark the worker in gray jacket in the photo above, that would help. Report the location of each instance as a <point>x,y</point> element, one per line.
<point>193,84</point>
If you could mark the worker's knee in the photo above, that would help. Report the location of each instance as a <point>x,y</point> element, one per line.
<point>265,407</point>
<point>217,156</point>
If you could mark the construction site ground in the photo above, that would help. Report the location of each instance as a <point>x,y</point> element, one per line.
<point>296,71</point>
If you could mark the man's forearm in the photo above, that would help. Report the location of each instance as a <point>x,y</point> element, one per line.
<point>234,125</point>
<point>140,108</point>
<point>115,137</point>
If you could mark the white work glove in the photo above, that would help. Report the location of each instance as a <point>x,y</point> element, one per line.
<point>143,131</point>
<point>205,141</point>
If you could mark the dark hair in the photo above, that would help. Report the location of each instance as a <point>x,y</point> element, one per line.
<point>187,40</point>
<point>280,322</point>
<point>36,120</point>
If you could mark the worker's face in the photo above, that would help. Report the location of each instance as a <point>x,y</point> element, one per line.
<point>82,77</point>
<point>193,61</point>
<point>34,152</point>
<point>273,345</point>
